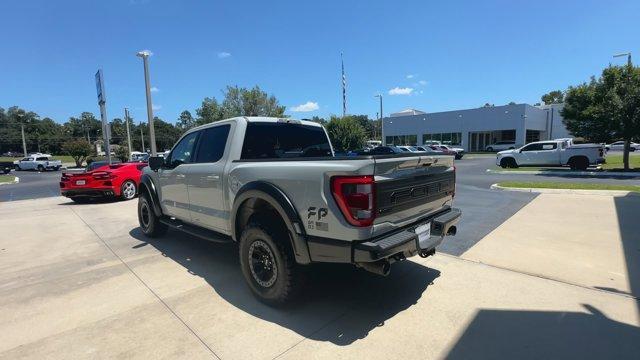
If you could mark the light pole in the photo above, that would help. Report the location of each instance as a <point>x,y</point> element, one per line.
<point>384,141</point>
<point>142,138</point>
<point>126,120</point>
<point>628,55</point>
<point>152,134</point>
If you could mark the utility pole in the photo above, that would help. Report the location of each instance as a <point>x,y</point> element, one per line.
<point>152,134</point>
<point>106,133</point>
<point>142,138</point>
<point>384,141</point>
<point>126,120</point>
<point>627,142</point>
<point>24,142</point>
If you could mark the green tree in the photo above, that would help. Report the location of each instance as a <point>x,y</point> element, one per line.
<point>122,153</point>
<point>185,121</point>
<point>346,133</point>
<point>553,97</point>
<point>250,102</point>
<point>209,111</point>
<point>78,149</point>
<point>607,108</point>
<point>166,134</point>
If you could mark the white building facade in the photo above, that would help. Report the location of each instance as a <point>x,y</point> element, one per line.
<point>475,129</point>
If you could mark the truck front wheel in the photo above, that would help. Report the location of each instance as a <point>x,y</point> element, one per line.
<point>267,263</point>
<point>149,222</point>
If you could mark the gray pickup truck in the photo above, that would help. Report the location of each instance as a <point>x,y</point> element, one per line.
<point>275,187</point>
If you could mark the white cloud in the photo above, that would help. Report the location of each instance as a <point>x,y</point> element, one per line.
<point>156,107</point>
<point>146,51</point>
<point>401,91</point>
<point>154,89</point>
<point>306,107</point>
<point>422,82</point>
<point>410,76</point>
<point>223,55</point>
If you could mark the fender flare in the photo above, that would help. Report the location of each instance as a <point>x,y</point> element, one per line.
<point>147,184</point>
<point>282,204</point>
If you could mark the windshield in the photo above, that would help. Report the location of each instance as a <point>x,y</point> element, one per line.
<point>268,140</point>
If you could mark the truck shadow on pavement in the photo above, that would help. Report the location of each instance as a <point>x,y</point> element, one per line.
<point>339,303</point>
<point>509,334</point>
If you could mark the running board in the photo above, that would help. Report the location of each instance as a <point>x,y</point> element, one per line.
<point>196,231</point>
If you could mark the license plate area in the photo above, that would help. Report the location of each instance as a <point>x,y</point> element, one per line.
<point>423,240</point>
<point>81,182</point>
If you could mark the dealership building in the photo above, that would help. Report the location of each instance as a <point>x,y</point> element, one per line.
<point>475,129</point>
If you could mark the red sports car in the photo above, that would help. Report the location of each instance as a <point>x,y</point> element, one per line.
<point>115,180</point>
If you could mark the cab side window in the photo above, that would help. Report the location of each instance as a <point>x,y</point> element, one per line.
<point>532,147</point>
<point>182,153</point>
<point>549,146</point>
<point>212,143</point>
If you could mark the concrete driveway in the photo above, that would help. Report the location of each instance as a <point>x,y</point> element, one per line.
<point>80,281</point>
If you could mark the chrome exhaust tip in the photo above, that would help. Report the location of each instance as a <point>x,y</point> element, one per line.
<point>380,267</point>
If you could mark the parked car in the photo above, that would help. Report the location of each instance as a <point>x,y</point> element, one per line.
<point>40,162</point>
<point>115,180</point>
<point>443,149</point>
<point>273,186</point>
<point>404,148</point>
<point>458,152</point>
<point>552,153</point>
<point>6,166</point>
<point>619,146</point>
<point>386,150</point>
<point>501,145</point>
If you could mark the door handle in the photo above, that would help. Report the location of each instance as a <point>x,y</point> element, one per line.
<point>181,176</point>
<point>212,178</point>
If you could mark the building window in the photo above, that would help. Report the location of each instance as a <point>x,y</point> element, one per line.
<point>399,140</point>
<point>445,138</point>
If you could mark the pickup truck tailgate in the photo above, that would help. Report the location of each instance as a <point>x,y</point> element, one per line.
<point>411,187</point>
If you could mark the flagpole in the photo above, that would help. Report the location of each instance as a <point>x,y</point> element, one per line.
<point>344,88</point>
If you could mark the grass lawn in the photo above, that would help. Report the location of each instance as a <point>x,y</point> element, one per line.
<point>614,162</point>
<point>567,185</point>
<point>7,178</point>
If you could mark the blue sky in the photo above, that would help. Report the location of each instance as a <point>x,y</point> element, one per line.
<point>437,55</point>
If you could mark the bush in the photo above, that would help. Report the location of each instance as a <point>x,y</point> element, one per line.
<point>122,153</point>
<point>346,133</point>
<point>79,150</point>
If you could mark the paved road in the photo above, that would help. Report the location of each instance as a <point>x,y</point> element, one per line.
<point>32,185</point>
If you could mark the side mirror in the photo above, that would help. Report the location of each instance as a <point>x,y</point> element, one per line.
<point>156,162</point>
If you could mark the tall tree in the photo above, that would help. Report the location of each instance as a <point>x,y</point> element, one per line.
<point>250,102</point>
<point>209,111</point>
<point>607,108</point>
<point>185,121</point>
<point>553,97</point>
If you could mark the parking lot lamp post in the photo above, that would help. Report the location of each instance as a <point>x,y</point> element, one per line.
<point>142,137</point>
<point>384,142</point>
<point>152,135</point>
<point>126,119</point>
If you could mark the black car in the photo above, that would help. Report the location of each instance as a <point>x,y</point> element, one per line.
<point>385,150</point>
<point>6,166</point>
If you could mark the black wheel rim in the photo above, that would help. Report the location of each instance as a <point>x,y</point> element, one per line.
<point>145,216</point>
<point>262,264</point>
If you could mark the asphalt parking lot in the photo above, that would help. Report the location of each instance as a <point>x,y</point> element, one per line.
<point>84,283</point>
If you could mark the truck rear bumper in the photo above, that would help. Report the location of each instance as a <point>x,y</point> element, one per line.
<point>400,243</point>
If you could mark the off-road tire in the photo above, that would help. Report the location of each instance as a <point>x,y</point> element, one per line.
<point>490,149</point>
<point>40,168</point>
<point>287,278</point>
<point>148,220</point>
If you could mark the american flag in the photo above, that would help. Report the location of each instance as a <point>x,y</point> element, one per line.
<point>344,89</point>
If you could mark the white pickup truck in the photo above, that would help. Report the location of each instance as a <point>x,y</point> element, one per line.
<point>560,152</point>
<point>40,162</point>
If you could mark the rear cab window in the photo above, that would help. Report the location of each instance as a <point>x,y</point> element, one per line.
<point>274,140</point>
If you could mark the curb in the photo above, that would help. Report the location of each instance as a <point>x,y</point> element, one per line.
<point>15,181</point>
<point>566,173</point>
<point>567,191</point>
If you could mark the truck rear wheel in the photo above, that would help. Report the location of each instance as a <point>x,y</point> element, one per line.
<point>149,221</point>
<point>267,263</point>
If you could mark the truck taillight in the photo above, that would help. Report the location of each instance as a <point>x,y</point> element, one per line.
<point>355,196</point>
